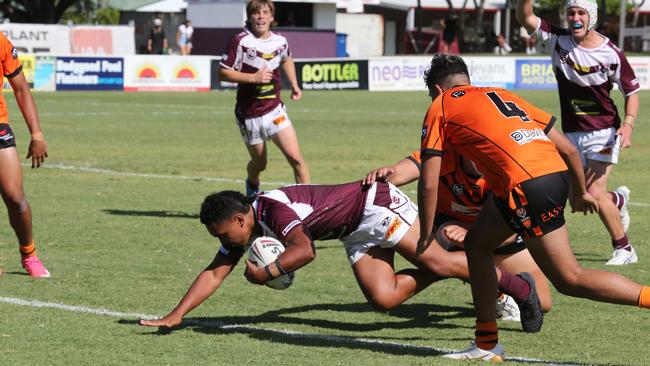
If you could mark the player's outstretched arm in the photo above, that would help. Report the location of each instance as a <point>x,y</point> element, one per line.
<point>289,69</point>
<point>205,284</point>
<point>525,15</point>
<point>300,251</point>
<point>580,199</point>
<point>262,76</point>
<point>403,172</point>
<point>427,200</point>
<point>37,146</point>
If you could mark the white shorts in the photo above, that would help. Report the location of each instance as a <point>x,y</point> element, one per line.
<point>379,225</point>
<point>600,145</point>
<point>256,130</point>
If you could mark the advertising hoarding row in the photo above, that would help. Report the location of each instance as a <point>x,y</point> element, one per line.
<point>199,73</point>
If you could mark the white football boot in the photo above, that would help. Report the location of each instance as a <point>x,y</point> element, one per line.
<point>507,309</point>
<point>496,354</point>
<point>623,256</point>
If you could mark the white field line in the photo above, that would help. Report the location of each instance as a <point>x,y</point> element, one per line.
<point>196,177</point>
<point>330,339</point>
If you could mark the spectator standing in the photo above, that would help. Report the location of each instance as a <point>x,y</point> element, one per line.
<point>449,29</point>
<point>184,37</point>
<point>157,42</point>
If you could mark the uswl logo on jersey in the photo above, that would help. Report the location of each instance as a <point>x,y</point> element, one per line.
<point>251,53</point>
<point>458,189</point>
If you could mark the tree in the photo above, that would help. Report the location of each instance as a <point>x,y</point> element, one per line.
<point>36,11</point>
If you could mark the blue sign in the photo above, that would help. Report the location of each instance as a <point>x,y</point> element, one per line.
<point>535,74</point>
<point>89,73</point>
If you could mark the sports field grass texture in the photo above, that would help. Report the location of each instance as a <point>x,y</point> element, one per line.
<point>115,215</point>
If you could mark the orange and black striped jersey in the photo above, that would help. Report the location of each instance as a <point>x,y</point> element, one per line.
<point>10,67</point>
<point>498,130</point>
<point>460,194</point>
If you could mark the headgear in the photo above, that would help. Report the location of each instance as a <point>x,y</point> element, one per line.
<point>590,6</point>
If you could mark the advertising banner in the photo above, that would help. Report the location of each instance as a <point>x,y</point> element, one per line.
<point>38,38</point>
<point>102,40</point>
<point>332,75</point>
<point>535,74</point>
<point>397,73</point>
<point>166,73</point>
<point>495,71</point>
<point>89,73</point>
<point>641,67</point>
<point>44,73</point>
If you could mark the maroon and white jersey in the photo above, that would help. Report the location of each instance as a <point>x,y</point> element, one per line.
<point>247,53</point>
<point>585,78</point>
<point>327,211</point>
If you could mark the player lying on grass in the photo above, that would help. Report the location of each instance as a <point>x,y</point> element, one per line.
<point>529,166</point>
<point>461,193</point>
<point>373,222</point>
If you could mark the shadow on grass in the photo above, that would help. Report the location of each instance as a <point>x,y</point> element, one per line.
<point>416,316</point>
<point>16,273</point>
<point>413,316</point>
<point>589,257</point>
<point>173,214</point>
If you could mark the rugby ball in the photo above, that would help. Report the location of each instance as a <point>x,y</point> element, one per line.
<point>265,250</point>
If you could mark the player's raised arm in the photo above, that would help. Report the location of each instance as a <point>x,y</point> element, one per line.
<point>428,199</point>
<point>300,250</point>
<point>580,199</point>
<point>37,146</point>
<point>525,15</point>
<point>205,284</point>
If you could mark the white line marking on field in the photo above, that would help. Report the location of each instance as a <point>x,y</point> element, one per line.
<point>253,329</point>
<point>149,175</point>
<point>196,177</point>
<point>76,309</point>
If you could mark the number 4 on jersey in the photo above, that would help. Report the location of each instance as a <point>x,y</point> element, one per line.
<point>508,109</point>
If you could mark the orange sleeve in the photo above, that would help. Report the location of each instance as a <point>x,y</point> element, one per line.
<point>9,58</point>
<point>415,158</point>
<point>432,137</point>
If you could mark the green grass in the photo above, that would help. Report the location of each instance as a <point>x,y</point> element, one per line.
<point>134,243</point>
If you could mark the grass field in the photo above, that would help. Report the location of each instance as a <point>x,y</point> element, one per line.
<point>115,215</point>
